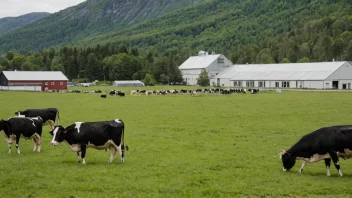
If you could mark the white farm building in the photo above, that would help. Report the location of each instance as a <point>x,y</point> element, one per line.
<point>214,64</point>
<point>322,75</point>
<point>128,83</point>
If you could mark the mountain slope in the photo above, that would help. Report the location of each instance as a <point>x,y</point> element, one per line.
<point>86,19</point>
<point>11,23</point>
<point>283,28</point>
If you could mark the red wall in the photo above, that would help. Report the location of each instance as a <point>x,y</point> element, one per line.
<point>56,86</point>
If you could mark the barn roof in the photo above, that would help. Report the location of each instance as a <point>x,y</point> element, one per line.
<point>34,75</point>
<point>282,71</point>
<point>128,81</point>
<point>199,62</point>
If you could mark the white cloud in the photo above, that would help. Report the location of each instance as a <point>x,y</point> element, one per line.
<point>11,8</point>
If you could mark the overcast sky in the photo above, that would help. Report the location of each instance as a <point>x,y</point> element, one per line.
<point>11,8</point>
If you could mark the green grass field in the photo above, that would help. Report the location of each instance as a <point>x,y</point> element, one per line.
<point>180,146</point>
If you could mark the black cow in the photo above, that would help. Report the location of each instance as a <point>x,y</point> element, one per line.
<point>325,143</point>
<point>112,92</point>
<point>48,115</point>
<point>98,135</point>
<point>16,127</point>
<point>103,96</point>
<point>120,93</point>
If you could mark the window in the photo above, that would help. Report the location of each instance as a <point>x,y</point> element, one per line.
<point>237,83</point>
<point>52,83</point>
<point>250,83</point>
<point>220,60</point>
<point>277,84</point>
<point>61,83</point>
<point>261,84</point>
<point>46,83</point>
<point>285,84</point>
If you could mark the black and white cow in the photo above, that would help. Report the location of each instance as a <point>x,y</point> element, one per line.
<point>27,127</point>
<point>98,135</point>
<point>325,143</point>
<point>48,115</point>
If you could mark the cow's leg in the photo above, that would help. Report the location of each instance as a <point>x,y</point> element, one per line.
<point>327,164</point>
<point>113,153</point>
<point>17,143</point>
<point>83,152</point>
<point>303,165</point>
<point>336,161</point>
<point>39,141</point>
<point>35,144</point>
<point>78,156</point>
<point>120,150</point>
<point>10,145</point>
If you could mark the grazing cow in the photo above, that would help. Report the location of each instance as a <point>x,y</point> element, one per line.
<point>27,127</point>
<point>133,92</point>
<point>103,95</point>
<point>120,93</point>
<point>97,91</point>
<point>325,143</point>
<point>97,135</point>
<point>112,92</point>
<point>48,115</point>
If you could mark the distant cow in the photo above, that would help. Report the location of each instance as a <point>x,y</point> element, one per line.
<point>48,115</point>
<point>16,127</point>
<point>112,92</point>
<point>120,93</point>
<point>97,135</point>
<point>325,143</point>
<point>103,96</point>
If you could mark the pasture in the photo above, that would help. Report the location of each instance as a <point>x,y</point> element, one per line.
<point>180,146</point>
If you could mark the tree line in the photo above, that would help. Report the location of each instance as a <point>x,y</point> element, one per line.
<point>108,62</point>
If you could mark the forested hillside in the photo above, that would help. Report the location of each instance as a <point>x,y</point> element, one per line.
<point>12,23</point>
<point>250,31</point>
<point>89,18</point>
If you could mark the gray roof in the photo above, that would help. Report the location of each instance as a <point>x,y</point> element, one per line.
<point>34,75</point>
<point>128,81</point>
<point>199,62</point>
<point>283,71</point>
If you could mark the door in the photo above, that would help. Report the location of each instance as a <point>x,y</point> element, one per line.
<point>335,84</point>
<point>344,86</point>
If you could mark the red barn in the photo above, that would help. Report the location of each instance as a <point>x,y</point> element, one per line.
<point>48,80</point>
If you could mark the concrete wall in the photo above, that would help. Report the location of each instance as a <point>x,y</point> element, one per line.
<point>21,88</point>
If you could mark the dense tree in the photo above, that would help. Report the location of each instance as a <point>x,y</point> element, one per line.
<point>149,80</point>
<point>203,78</point>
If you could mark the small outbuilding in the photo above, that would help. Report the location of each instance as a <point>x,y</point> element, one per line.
<point>22,80</point>
<point>128,83</point>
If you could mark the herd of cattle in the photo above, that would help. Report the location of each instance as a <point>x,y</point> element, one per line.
<point>322,144</point>
<point>174,91</point>
<point>79,135</point>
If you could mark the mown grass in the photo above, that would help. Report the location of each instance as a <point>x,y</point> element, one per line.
<point>180,146</point>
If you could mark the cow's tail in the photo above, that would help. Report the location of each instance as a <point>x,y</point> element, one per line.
<point>58,117</point>
<point>123,137</point>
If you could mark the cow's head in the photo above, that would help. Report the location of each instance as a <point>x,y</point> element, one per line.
<point>10,138</point>
<point>58,134</point>
<point>288,161</point>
